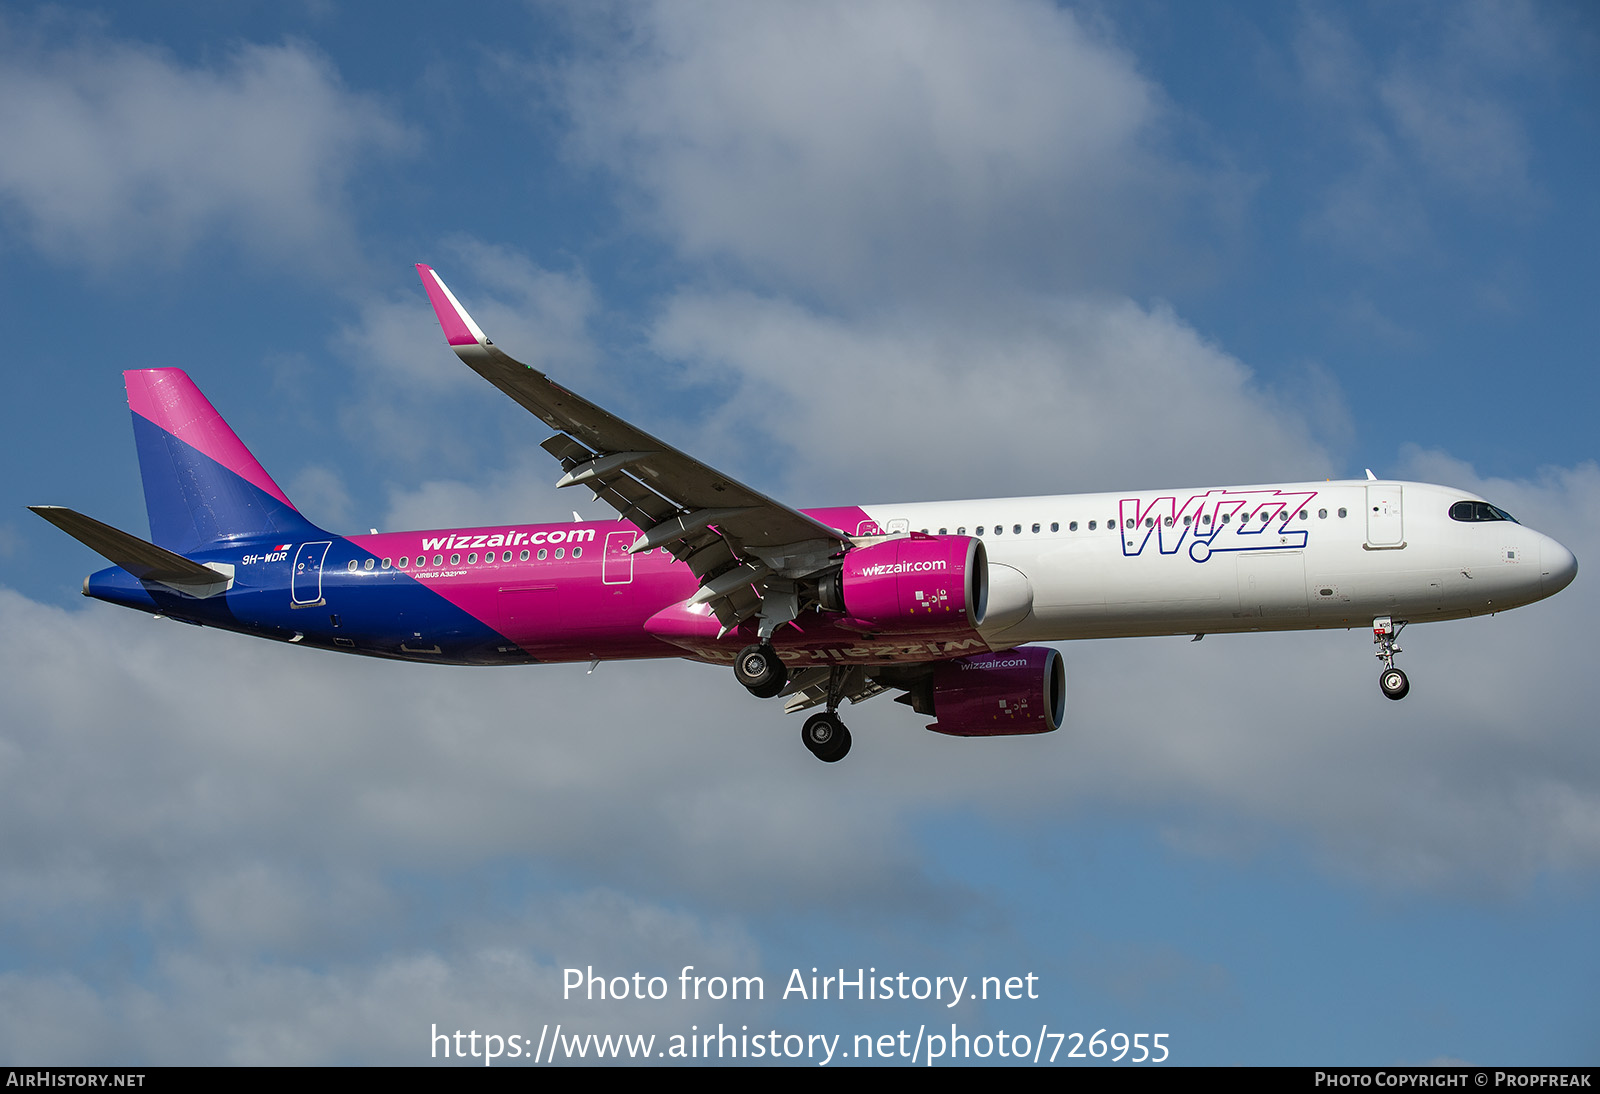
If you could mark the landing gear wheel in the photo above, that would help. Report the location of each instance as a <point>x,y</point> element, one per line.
<point>826,737</point>
<point>760,670</point>
<point>1394,683</point>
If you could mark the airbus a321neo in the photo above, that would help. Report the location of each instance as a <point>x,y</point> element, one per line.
<point>939,601</point>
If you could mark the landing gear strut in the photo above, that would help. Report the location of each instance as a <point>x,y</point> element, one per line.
<point>1386,634</point>
<point>760,670</point>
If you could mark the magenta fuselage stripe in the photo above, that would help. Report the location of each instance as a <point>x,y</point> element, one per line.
<point>169,400</point>
<point>558,609</point>
<point>566,608</point>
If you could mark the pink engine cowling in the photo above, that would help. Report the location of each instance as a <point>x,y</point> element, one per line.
<point>919,584</point>
<point>1000,694</point>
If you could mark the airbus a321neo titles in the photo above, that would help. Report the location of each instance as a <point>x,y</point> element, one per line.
<point>940,601</point>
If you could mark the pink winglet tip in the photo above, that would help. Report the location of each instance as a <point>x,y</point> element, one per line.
<point>459,329</point>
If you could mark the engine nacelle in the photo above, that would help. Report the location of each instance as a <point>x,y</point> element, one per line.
<point>1000,694</point>
<point>919,584</point>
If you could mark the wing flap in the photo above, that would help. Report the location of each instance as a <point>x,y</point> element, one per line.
<point>809,688</point>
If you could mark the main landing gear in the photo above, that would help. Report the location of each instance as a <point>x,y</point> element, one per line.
<point>826,737</point>
<point>1386,634</point>
<point>824,734</point>
<point>760,670</point>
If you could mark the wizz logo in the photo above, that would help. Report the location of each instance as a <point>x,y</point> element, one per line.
<point>1218,520</point>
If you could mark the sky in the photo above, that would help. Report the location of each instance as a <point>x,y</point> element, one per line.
<point>848,253</point>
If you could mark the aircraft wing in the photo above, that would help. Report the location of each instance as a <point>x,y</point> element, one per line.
<point>742,545</point>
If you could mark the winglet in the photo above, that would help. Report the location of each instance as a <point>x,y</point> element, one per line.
<point>459,329</point>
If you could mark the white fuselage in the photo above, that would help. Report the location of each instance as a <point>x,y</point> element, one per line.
<point>1278,557</point>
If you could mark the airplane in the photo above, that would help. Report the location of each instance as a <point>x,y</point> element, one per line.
<point>942,602</point>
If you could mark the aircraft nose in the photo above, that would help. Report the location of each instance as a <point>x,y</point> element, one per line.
<point>1557,567</point>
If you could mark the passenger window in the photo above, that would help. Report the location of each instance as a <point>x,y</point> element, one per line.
<point>506,557</point>
<point>405,560</point>
<point>1073,527</point>
<point>1016,529</point>
<point>386,564</point>
<point>543,554</point>
<point>1186,520</point>
<point>455,560</point>
<point>523,557</point>
<point>942,531</point>
<point>368,564</point>
<point>980,529</point>
<point>1092,525</point>
<point>1206,520</point>
<point>438,560</point>
<point>1343,512</point>
<point>961,531</point>
<point>472,559</point>
<point>1322,514</point>
<point>561,552</point>
<point>1304,515</point>
<point>352,566</point>
<point>1149,522</point>
<point>577,552</point>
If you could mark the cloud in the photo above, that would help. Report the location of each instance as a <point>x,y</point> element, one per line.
<point>206,1008</point>
<point>522,490</point>
<point>1050,398</point>
<point>1423,117</point>
<point>115,151</point>
<point>416,405</point>
<point>867,149</point>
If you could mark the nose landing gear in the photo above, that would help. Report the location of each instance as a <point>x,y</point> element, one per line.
<point>1386,635</point>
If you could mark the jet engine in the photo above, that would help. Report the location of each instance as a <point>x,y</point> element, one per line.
<point>919,584</point>
<point>997,694</point>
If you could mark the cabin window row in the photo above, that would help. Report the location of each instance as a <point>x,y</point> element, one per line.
<point>455,559</point>
<point>1266,516</point>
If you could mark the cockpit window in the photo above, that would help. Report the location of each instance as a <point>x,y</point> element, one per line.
<point>1477,511</point>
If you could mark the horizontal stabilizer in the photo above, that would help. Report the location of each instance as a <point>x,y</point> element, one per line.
<point>143,560</point>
